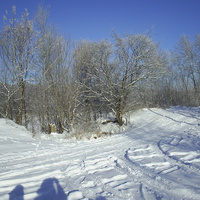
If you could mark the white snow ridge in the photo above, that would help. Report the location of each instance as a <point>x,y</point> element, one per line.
<point>158,158</point>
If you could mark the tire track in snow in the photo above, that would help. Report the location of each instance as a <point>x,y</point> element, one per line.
<point>150,178</point>
<point>45,163</point>
<point>175,156</point>
<point>103,178</point>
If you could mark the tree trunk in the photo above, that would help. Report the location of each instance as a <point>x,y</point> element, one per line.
<point>59,127</point>
<point>119,118</point>
<point>21,103</point>
<point>8,107</point>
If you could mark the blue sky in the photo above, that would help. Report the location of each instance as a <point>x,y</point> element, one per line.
<point>95,19</point>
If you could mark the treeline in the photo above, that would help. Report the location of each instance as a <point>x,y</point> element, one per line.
<point>48,79</point>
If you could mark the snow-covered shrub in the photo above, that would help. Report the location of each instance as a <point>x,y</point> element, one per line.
<point>85,130</point>
<point>96,129</point>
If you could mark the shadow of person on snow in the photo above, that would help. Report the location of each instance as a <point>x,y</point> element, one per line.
<point>51,189</point>
<point>17,193</point>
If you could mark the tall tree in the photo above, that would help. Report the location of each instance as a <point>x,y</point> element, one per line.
<point>186,60</point>
<point>45,62</point>
<point>53,63</point>
<point>137,59</point>
<point>16,52</point>
<point>111,72</point>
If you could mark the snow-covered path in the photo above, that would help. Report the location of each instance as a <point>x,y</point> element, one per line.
<point>158,158</point>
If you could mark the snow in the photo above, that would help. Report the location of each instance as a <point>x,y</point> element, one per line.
<point>157,158</point>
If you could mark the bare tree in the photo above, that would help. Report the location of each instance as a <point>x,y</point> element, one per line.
<point>197,63</point>
<point>111,72</point>
<point>45,63</point>
<point>186,60</point>
<point>16,52</point>
<point>89,59</point>
<point>54,60</point>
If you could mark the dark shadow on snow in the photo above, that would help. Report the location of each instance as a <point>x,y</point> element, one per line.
<point>51,189</point>
<point>17,193</point>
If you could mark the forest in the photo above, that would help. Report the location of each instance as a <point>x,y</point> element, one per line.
<point>47,79</point>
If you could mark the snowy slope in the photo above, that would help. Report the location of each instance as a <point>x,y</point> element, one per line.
<point>157,158</point>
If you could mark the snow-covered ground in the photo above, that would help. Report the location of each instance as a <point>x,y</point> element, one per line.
<point>157,158</point>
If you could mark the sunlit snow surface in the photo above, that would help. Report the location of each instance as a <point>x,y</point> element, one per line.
<point>157,158</point>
